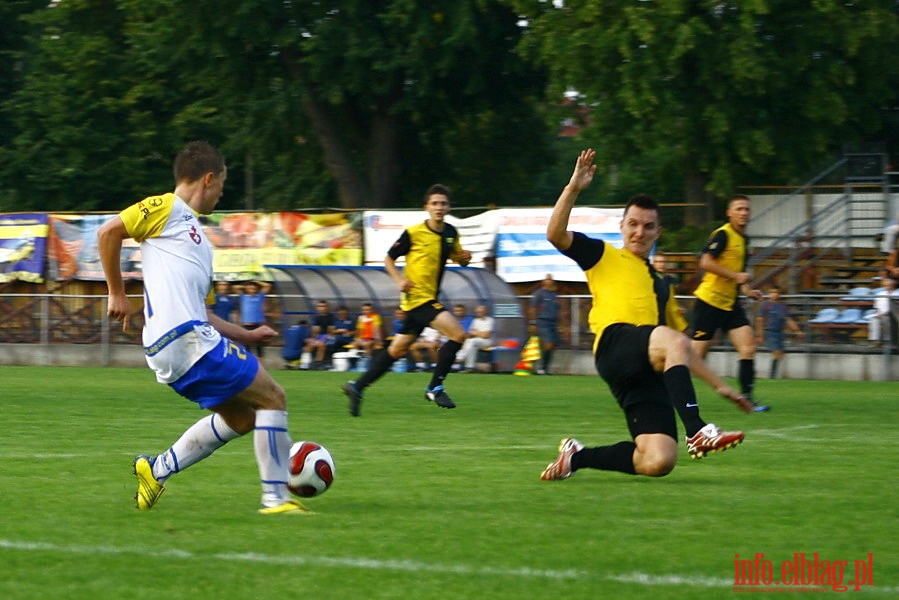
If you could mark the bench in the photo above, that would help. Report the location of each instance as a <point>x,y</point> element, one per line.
<point>500,358</point>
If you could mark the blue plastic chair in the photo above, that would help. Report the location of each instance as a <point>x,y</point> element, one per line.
<point>849,315</point>
<point>826,315</point>
<point>857,294</point>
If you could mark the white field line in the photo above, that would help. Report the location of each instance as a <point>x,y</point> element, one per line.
<point>413,566</point>
<point>295,560</point>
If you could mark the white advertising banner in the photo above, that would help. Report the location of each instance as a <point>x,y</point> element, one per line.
<point>515,237</point>
<point>523,254</point>
<point>383,228</point>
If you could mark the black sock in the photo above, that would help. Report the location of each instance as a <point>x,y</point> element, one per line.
<point>774,368</point>
<point>446,356</point>
<point>747,375</point>
<point>379,364</point>
<point>619,457</point>
<point>683,396</point>
<point>547,358</point>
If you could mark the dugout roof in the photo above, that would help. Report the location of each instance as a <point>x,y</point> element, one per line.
<point>300,287</point>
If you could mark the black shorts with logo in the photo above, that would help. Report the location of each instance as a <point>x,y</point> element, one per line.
<point>622,359</point>
<point>420,317</point>
<point>707,320</point>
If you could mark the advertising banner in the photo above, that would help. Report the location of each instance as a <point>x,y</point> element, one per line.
<point>243,241</point>
<point>383,228</point>
<point>23,245</point>
<point>523,254</point>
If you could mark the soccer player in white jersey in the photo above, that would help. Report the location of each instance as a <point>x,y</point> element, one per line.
<point>198,354</point>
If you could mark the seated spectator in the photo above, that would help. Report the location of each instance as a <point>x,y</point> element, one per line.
<point>344,332</point>
<point>423,351</point>
<point>296,343</point>
<point>368,330</point>
<point>464,319</point>
<point>479,336</point>
<point>321,336</point>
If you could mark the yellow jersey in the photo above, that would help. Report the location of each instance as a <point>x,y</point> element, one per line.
<point>729,249</point>
<point>426,253</point>
<point>625,288</point>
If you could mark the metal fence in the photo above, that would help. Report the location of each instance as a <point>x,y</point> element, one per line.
<point>81,319</point>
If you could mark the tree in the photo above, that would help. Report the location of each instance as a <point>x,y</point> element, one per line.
<point>368,102</point>
<point>368,89</point>
<point>721,93</point>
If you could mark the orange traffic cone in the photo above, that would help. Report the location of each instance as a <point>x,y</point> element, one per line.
<point>529,355</point>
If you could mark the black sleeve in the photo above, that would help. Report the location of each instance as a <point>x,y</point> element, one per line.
<point>716,244</point>
<point>585,251</point>
<point>400,246</point>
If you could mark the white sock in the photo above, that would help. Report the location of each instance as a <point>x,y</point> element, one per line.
<point>200,440</point>
<point>271,441</point>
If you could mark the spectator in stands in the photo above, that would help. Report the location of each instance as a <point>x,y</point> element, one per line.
<point>322,335</point>
<point>252,306</point>
<point>224,304</point>
<point>462,316</point>
<point>369,336</point>
<point>344,333</point>
<point>717,306</point>
<point>546,318</point>
<point>296,343</point>
<point>479,336</point>
<point>774,316</point>
<point>882,326</point>
<point>660,264</point>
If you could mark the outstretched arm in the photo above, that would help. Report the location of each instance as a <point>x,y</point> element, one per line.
<point>557,229</point>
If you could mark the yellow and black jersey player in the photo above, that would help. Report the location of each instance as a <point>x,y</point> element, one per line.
<point>427,247</point>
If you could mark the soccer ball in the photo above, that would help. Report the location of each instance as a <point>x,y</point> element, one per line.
<point>311,469</point>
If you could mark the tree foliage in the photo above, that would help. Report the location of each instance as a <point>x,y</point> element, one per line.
<point>721,93</point>
<point>361,102</point>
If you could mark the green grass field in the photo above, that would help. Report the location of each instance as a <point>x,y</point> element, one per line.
<point>436,504</point>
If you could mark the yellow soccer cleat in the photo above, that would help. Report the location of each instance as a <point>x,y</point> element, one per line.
<point>148,489</point>
<point>291,507</point>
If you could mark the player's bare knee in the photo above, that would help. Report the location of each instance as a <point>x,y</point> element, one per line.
<point>656,466</point>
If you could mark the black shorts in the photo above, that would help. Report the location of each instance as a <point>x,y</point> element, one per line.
<point>707,320</point>
<point>420,317</point>
<point>622,359</point>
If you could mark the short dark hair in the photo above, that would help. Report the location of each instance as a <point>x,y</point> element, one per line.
<point>738,197</point>
<point>644,201</point>
<point>195,160</point>
<point>437,188</point>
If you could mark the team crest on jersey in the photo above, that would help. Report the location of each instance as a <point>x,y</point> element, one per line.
<point>195,235</point>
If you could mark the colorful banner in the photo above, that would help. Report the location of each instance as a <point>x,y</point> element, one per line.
<point>244,242</point>
<point>73,252</point>
<point>523,254</point>
<point>23,246</point>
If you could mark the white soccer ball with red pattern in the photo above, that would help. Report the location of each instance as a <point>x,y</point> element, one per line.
<point>311,469</point>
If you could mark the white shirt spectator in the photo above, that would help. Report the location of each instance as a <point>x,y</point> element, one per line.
<point>879,321</point>
<point>480,336</point>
